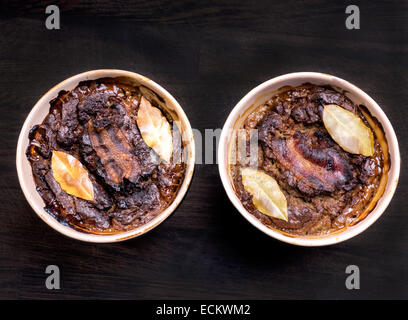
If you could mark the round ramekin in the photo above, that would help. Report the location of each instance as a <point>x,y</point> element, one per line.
<point>259,95</point>
<point>37,115</point>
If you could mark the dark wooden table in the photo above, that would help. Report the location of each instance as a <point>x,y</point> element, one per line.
<point>208,55</point>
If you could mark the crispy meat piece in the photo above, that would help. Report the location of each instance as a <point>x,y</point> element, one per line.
<point>315,166</point>
<point>329,96</point>
<point>69,122</point>
<point>115,154</point>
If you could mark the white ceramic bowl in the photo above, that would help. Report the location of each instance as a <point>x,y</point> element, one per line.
<point>259,95</point>
<point>41,109</point>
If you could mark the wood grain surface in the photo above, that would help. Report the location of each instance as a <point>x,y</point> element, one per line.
<point>208,55</point>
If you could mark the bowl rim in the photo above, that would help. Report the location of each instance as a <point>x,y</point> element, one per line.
<point>43,102</point>
<point>279,82</point>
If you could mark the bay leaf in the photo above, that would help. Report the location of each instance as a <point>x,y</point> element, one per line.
<point>348,130</point>
<point>71,175</point>
<point>155,129</point>
<point>267,197</point>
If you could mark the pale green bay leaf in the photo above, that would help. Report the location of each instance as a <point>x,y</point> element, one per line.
<point>267,197</point>
<point>348,130</point>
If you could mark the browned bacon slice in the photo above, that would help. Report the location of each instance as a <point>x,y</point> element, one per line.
<point>313,165</point>
<point>115,154</point>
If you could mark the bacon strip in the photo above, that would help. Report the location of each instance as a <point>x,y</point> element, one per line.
<point>115,153</point>
<point>314,166</point>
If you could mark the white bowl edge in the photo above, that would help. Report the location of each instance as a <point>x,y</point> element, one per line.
<point>36,116</point>
<point>358,96</point>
